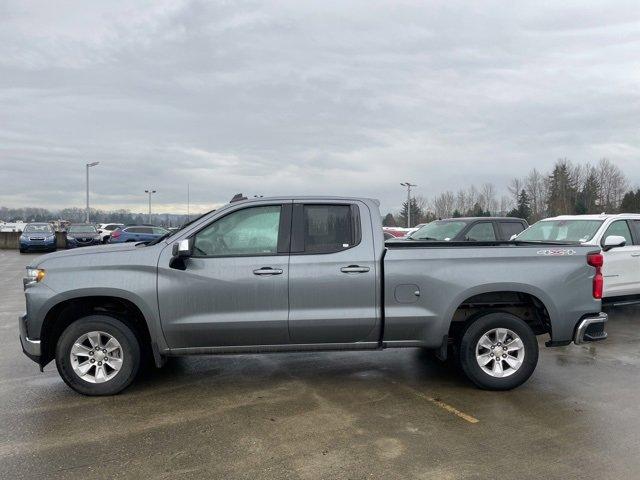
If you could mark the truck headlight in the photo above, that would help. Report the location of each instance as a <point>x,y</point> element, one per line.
<point>34,275</point>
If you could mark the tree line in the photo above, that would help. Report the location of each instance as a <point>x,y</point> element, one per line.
<point>78,215</point>
<point>567,189</point>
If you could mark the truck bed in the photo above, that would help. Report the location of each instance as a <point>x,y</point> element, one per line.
<point>427,284</point>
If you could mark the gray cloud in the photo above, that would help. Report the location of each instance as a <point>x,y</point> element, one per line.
<point>297,97</point>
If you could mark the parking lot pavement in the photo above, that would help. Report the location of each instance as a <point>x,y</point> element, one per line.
<point>390,414</point>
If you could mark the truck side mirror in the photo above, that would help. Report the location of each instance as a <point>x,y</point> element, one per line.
<point>613,241</point>
<point>183,248</point>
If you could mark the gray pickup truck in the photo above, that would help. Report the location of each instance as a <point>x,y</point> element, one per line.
<point>305,274</point>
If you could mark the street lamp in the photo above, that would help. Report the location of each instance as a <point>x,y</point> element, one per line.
<point>408,185</point>
<point>149,192</point>
<point>88,165</point>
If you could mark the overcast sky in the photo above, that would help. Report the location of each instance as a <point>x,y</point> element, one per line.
<point>293,97</point>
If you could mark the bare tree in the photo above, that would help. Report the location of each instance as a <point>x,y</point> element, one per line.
<point>612,184</point>
<point>423,206</point>
<point>505,205</point>
<point>444,204</point>
<point>487,199</point>
<point>515,187</point>
<point>466,199</point>
<point>536,187</point>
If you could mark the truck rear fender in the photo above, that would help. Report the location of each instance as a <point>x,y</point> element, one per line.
<point>528,302</point>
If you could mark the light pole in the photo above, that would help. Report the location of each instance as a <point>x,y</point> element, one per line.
<point>408,185</point>
<point>149,192</point>
<point>89,165</point>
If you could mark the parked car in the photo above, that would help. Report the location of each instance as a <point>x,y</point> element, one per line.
<point>397,232</point>
<point>414,229</point>
<point>306,273</point>
<point>105,229</point>
<point>82,235</point>
<point>37,237</point>
<point>621,267</point>
<point>474,229</point>
<point>137,233</point>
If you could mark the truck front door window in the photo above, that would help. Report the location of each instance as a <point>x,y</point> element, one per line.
<point>251,231</point>
<point>621,229</point>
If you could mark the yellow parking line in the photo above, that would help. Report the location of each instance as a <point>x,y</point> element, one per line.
<point>445,406</point>
<point>451,409</point>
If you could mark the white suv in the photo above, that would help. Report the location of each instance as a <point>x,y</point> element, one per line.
<point>105,229</point>
<point>621,269</point>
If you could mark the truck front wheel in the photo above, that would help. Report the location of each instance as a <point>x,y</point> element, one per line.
<point>498,351</point>
<point>98,355</point>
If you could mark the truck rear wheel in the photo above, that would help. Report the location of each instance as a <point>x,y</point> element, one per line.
<point>98,355</point>
<point>498,351</point>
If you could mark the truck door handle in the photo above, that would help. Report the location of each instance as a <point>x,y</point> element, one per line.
<point>354,269</point>
<point>268,271</point>
<point>635,254</point>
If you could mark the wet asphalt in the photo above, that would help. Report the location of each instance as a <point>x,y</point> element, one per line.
<point>354,415</point>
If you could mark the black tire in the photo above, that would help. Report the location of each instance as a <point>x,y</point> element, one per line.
<point>469,341</point>
<point>130,355</point>
<point>22,250</point>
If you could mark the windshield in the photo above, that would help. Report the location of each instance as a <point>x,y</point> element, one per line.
<point>561,230</point>
<point>82,229</point>
<point>38,229</point>
<point>443,230</point>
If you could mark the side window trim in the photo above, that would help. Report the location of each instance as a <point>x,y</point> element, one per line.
<point>283,228</point>
<point>635,230</point>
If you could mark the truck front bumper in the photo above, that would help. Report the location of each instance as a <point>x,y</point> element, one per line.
<point>31,348</point>
<point>591,329</point>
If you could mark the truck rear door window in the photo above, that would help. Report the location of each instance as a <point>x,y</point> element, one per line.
<point>327,228</point>
<point>511,228</point>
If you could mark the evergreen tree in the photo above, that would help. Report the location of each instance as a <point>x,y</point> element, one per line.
<point>524,205</point>
<point>416,213</point>
<point>587,198</point>
<point>523,210</point>
<point>389,221</point>
<point>477,211</point>
<point>631,202</point>
<point>562,190</point>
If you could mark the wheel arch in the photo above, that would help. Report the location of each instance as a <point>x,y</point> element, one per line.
<point>527,302</point>
<point>64,311</point>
